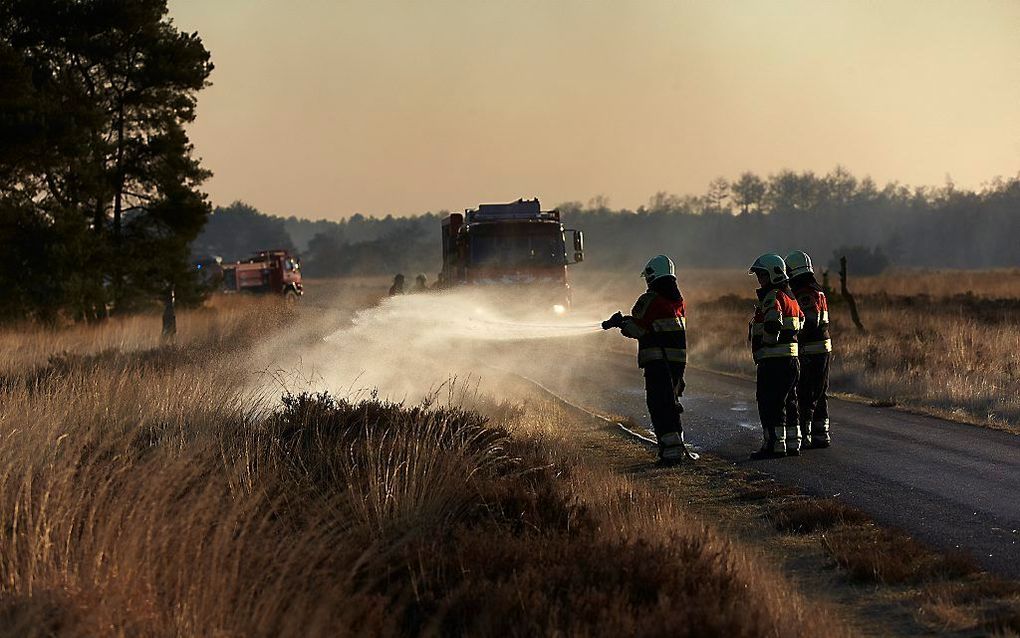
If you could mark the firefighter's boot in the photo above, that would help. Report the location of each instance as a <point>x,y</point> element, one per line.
<point>805,435</point>
<point>820,433</point>
<point>672,449</point>
<point>774,445</point>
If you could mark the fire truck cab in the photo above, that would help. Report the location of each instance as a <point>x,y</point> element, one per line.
<point>513,245</point>
<point>267,271</point>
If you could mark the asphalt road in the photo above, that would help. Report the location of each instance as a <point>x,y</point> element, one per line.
<point>952,485</point>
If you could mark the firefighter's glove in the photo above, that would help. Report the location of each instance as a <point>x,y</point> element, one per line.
<point>616,321</point>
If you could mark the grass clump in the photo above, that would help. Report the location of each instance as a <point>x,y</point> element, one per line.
<point>804,516</point>
<point>980,603</point>
<point>872,554</point>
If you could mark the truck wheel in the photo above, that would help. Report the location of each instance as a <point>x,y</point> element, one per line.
<point>290,297</point>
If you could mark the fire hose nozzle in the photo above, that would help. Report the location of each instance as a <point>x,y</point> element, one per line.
<point>616,321</point>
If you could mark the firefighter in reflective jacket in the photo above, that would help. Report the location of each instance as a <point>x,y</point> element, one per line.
<point>815,347</point>
<point>773,336</point>
<point>659,325</point>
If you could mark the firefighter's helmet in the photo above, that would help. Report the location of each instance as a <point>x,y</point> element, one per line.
<point>658,266</point>
<point>798,263</point>
<point>772,265</point>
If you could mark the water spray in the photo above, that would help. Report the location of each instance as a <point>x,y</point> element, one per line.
<point>456,315</point>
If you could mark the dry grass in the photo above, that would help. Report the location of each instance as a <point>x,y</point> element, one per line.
<point>145,492</point>
<point>980,603</point>
<point>225,323</point>
<point>946,590</point>
<point>872,554</point>
<point>985,284</point>
<point>812,514</point>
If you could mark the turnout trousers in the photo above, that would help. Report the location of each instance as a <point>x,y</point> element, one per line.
<point>811,389</point>
<point>777,403</point>
<point>664,385</point>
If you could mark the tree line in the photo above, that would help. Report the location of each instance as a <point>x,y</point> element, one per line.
<point>358,245</point>
<point>99,188</point>
<point>733,221</point>
<point>826,215</point>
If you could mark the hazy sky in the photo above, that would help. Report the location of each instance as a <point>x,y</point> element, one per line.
<point>324,108</point>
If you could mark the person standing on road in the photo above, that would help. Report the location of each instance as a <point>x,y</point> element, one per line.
<point>658,323</point>
<point>398,285</point>
<point>815,347</point>
<point>773,336</point>
<point>421,283</point>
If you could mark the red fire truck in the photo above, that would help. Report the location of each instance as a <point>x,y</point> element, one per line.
<point>267,271</point>
<point>515,245</point>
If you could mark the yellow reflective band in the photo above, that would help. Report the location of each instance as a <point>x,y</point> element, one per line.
<point>824,317</point>
<point>792,323</point>
<point>816,347</point>
<point>781,350</point>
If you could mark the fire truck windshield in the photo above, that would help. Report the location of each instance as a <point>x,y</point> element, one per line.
<point>517,245</point>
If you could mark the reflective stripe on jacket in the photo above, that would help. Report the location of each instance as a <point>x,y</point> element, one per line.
<point>659,325</point>
<point>773,330</point>
<point>814,336</point>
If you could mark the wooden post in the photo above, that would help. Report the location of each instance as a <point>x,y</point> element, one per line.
<point>846,295</point>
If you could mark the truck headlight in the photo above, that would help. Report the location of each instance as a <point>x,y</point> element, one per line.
<point>558,309</point>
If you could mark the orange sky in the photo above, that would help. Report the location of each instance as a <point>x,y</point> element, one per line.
<point>325,108</point>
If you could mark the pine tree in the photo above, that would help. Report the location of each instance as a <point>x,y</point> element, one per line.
<point>95,155</point>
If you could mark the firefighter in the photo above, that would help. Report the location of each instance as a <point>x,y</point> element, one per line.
<point>398,285</point>
<point>659,325</point>
<point>815,348</point>
<point>421,283</point>
<point>773,336</point>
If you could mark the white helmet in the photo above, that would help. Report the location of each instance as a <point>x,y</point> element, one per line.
<point>658,266</point>
<point>771,264</point>
<point>798,263</point>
